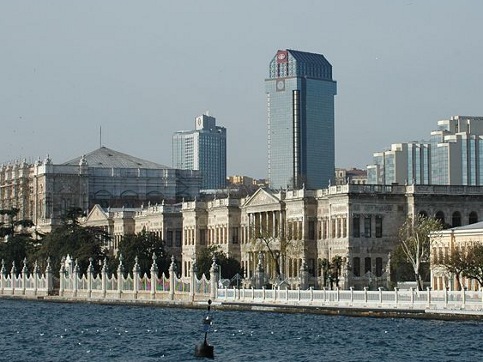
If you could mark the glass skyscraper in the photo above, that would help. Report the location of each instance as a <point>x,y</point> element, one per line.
<point>300,98</point>
<point>203,149</point>
<point>453,156</point>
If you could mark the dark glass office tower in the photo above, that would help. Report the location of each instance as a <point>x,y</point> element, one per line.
<point>300,99</point>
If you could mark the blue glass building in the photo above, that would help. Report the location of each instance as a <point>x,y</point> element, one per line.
<point>203,149</point>
<point>301,140</point>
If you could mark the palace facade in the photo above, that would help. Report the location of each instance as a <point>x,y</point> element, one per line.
<point>302,228</point>
<point>43,191</point>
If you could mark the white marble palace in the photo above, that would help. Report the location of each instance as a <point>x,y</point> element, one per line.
<point>43,191</point>
<point>358,223</point>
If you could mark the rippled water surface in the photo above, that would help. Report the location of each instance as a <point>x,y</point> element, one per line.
<point>44,331</point>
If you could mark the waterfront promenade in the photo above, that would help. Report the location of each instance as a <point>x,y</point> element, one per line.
<point>173,291</point>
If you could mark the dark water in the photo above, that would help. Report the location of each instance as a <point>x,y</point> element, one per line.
<point>41,331</point>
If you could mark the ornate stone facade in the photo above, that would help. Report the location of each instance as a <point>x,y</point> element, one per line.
<point>301,228</point>
<point>44,191</point>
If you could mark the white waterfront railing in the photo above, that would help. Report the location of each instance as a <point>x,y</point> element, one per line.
<point>133,286</point>
<point>26,283</point>
<point>380,299</point>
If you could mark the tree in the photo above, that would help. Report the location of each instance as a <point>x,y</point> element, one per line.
<point>142,246</point>
<point>9,227</point>
<point>229,266</point>
<point>415,242</point>
<point>474,263</point>
<point>18,243</point>
<point>70,238</point>
<point>454,262</point>
<point>331,271</point>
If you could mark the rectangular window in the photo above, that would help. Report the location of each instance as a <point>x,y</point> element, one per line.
<point>367,265</point>
<point>169,238</point>
<point>311,230</point>
<point>202,236</point>
<point>356,226</point>
<point>367,226</point>
<point>378,267</point>
<point>356,266</point>
<point>378,226</point>
<point>332,231</point>
<point>178,238</point>
<point>234,235</point>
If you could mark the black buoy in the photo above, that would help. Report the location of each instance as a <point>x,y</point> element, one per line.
<point>204,349</point>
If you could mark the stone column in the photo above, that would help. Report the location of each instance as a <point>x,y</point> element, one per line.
<point>154,276</point>
<point>49,277</point>
<point>194,269</point>
<point>214,280</point>
<point>104,278</point>
<point>62,273</point>
<point>75,279</point>
<point>120,276</point>
<point>3,276</point>
<point>90,276</point>
<point>260,272</point>
<point>172,278</point>
<point>24,275</point>
<point>135,277</point>
<point>36,274</point>
<point>13,273</point>
<point>304,275</point>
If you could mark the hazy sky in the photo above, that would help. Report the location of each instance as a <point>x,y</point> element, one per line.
<point>142,70</point>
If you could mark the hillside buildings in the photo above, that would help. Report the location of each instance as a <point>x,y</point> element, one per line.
<point>44,191</point>
<point>452,156</point>
<point>202,149</point>
<point>300,100</point>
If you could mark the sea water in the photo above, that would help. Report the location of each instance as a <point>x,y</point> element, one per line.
<point>46,331</point>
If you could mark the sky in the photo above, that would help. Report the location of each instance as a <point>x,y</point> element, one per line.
<point>128,74</point>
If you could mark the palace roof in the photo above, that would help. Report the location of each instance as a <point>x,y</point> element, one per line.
<point>107,158</point>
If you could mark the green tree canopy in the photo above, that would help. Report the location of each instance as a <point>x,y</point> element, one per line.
<point>229,266</point>
<point>142,246</point>
<point>19,244</point>
<point>81,243</point>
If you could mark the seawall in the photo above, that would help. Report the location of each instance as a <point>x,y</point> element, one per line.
<point>453,315</point>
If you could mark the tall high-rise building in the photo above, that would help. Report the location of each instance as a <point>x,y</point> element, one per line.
<point>403,163</point>
<point>453,156</point>
<point>203,149</point>
<point>300,98</point>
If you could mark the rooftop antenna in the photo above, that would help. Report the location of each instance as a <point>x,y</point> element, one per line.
<point>100,136</point>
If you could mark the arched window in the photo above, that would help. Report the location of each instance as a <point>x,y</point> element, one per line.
<point>473,217</point>
<point>423,213</point>
<point>440,216</point>
<point>456,219</point>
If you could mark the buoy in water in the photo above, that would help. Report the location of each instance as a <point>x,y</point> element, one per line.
<point>204,349</point>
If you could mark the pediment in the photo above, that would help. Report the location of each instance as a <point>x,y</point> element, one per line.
<point>97,214</point>
<point>262,197</point>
